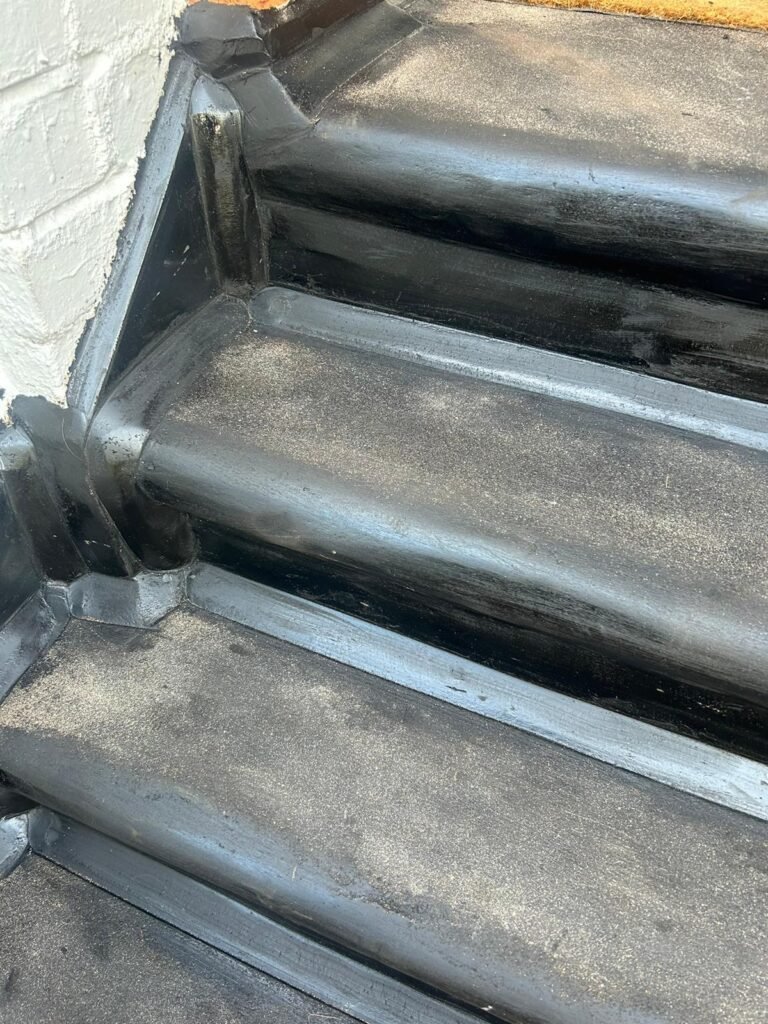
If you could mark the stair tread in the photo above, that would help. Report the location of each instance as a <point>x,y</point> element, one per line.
<point>488,863</point>
<point>71,951</point>
<point>538,131</point>
<point>498,461</point>
<point>620,530</point>
<point>654,92</point>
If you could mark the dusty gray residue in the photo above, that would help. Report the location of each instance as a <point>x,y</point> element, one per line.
<point>693,94</point>
<point>72,954</point>
<point>617,491</point>
<point>617,894</point>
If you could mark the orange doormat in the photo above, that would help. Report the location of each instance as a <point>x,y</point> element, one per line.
<point>258,5</point>
<point>733,13</point>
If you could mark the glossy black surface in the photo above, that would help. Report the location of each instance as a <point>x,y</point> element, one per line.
<point>18,572</point>
<point>702,233</point>
<point>162,269</point>
<point>177,275</point>
<point>58,435</point>
<point>227,201</point>
<point>40,536</point>
<point>688,337</point>
<point>731,723</point>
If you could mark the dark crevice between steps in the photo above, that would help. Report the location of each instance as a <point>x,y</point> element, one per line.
<point>686,336</point>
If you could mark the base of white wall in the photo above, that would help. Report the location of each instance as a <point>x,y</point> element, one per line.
<point>80,83</point>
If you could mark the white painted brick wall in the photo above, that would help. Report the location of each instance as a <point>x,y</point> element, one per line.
<point>80,81</point>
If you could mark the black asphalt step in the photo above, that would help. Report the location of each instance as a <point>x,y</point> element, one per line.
<point>330,451</point>
<point>494,867</point>
<point>71,952</point>
<point>531,173</point>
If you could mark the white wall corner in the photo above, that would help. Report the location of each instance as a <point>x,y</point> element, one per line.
<point>80,82</point>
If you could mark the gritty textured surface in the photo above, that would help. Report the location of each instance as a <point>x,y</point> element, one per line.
<point>581,890</point>
<point>496,460</point>
<point>637,90</point>
<point>72,953</point>
<point>79,85</point>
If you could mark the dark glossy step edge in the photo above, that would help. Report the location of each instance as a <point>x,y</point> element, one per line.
<point>687,765</point>
<point>27,635</point>
<point>676,761</point>
<point>326,974</point>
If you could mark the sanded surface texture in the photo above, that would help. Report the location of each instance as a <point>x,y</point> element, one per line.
<point>636,89</point>
<point>498,461</point>
<point>534,510</point>
<point>496,866</point>
<point>71,952</point>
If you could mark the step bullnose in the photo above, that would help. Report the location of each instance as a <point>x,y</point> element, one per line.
<point>420,556</point>
<point>703,233</point>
